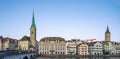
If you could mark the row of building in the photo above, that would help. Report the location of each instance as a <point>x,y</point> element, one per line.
<point>8,43</point>
<point>60,46</point>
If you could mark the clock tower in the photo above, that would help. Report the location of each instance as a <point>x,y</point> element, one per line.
<point>33,33</point>
<point>107,35</point>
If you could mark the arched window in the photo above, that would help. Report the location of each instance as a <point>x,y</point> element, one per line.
<point>95,53</point>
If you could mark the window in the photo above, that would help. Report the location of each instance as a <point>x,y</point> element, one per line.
<point>32,32</point>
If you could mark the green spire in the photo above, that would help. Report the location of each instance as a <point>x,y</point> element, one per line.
<point>33,21</point>
<point>107,31</point>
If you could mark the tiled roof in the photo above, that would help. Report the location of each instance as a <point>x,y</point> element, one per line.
<point>82,43</point>
<point>5,39</point>
<point>1,37</point>
<point>52,38</point>
<point>92,43</point>
<point>25,38</point>
<point>8,39</point>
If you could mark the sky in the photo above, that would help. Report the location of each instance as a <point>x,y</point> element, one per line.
<point>70,19</point>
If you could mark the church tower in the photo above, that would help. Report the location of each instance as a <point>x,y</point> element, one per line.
<point>107,35</point>
<point>107,47</point>
<point>33,32</point>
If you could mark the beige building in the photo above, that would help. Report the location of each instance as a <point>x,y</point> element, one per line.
<point>25,43</point>
<point>52,46</point>
<point>8,43</point>
<point>82,49</point>
<point>71,46</point>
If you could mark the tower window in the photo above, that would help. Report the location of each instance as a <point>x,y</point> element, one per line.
<point>32,32</point>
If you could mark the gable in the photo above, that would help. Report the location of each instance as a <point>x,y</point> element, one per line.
<point>25,38</point>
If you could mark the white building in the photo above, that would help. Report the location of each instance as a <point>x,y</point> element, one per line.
<point>71,46</point>
<point>96,48</point>
<point>52,46</point>
<point>116,49</point>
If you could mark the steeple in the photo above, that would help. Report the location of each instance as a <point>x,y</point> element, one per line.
<point>107,31</point>
<point>107,35</point>
<point>33,33</point>
<point>33,21</point>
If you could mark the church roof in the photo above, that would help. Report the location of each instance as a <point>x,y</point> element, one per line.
<point>33,21</point>
<point>107,31</point>
<point>25,38</point>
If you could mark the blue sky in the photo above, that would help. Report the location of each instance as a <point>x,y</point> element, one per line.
<point>81,19</point>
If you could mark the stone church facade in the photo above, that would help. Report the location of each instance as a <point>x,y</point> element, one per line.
<point>29,43</point>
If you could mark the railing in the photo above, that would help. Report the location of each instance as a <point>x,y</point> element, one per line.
<point>14,52</point>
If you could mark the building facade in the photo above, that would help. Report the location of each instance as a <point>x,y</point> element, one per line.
<point>52,46</point>
<point>82,49</point>
<point>71,46</point>
<point>1,45</point>
<point>96,48</point>
<point>24,43</point>
<point>117,49</point>
<point>7,43</point>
